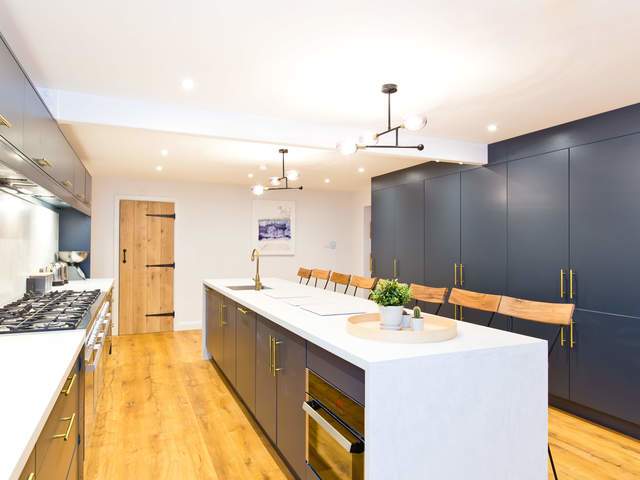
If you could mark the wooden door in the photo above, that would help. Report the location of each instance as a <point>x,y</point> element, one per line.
<point>146,266</point>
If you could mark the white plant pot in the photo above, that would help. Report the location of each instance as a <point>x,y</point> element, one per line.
<point>391,317</point>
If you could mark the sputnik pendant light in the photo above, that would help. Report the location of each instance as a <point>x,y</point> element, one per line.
<point>276,182</point>
<point>370,140</point>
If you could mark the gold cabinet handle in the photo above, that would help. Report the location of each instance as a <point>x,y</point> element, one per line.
<point>562,284</point>
<point>222,322</point>
<point>370,263</point>
<point>571,274</point>
<point>455,312</point>
<point>461,315</point>
<point>276,369</point>
<point>455,274</point>
<point>562,342</point>
<point>65,435</point>
<point>220,315</point>
<point>43,162</point>
<point>572,342</point>
<point>67,183</point>
<point>395,268</point>
<point>271,367</point>
<point>67,389</point>
<point>31,476</point>
<point>461,283</point>
<point>242,310</point>
<point>4,122</point>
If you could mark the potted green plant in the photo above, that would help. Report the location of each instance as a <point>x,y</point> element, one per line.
<point>391,295</point>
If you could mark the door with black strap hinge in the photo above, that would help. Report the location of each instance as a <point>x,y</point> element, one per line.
<point>146,259</point>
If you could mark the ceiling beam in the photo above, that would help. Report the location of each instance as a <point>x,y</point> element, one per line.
<point>75,107</point>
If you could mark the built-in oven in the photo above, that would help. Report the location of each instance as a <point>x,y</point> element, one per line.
<point>334,432</point>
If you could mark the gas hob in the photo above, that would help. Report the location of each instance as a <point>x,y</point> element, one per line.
<point>57,310</point>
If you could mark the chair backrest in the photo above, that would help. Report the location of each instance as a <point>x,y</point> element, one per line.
<point>319,274</point>
<point>476,300</point>
<point>340,279</point>
<point>541,312</point>
<point>364,283</point>
<point>423,293</point>
<point>304,274</point>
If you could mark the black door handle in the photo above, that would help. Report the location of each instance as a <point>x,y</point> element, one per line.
<point>124,255</point>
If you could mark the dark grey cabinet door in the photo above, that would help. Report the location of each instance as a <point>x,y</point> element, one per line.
<point>484,236</point>
<point>12,83</point>
<point>443,233</point>
<point>605,365</point>
<point>229,340</point>
<point>538,247</point>
<point>605,231</point>
<point>290,362</point>
<point>246,356</point>
<point>214,325</point>
<point>383,225</point>
<point>266,384</point>
<point>409,229</point>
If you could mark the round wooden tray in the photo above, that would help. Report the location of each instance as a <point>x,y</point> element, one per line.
<point>436,329</point>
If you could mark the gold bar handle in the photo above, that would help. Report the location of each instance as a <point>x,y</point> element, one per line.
<point>67,183</point>
<point>276,369</point>
<point>461,283</point>
<point>562,283</point>
<point>67,389</point>
<point>4,122</point>
<point>43,162</point>
<point>571,273</point>
<point>461,316</point>
<point>562,341</point>
<point>222,322</point>
<point>455,274</point>
<point>65,435</point>
<point>271,364</point>
<point>370,263</point>
<point>395,268</point>
<point>31,476</point>
<point>572,342</point>
<point>242,310</point>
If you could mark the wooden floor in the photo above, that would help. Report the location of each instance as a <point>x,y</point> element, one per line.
<point>167,414</point>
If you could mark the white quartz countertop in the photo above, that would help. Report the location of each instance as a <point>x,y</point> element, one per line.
<point>34,369</point>
<point>103,284</point>
<point>330,333</point>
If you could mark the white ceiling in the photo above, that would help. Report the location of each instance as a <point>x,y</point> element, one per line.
<point>523,65</point>
<point>118,151</point>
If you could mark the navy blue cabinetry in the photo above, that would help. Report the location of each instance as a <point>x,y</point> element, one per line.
<point>442,246</point>
<point>484,236</point>
<point>383,237</point>
<point>538,247</point>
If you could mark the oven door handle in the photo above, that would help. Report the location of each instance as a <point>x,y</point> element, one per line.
<point>310,407</point>
<point>96,358</point>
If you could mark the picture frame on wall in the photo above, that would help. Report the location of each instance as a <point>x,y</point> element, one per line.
<point>273,228</point>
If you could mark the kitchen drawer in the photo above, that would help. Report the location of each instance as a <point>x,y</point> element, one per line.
<point>29,471</point>
<point>338,372</point>
<point>53,452</point>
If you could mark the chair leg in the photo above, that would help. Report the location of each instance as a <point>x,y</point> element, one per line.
<point>553,467</point>
<point>438,309</point>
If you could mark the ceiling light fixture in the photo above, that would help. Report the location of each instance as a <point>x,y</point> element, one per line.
<point>188,84</point>
<point>159,168</point>
<point>492,127</point>
<point>164,152</point>
<point>327,180</point>
<point>361,170</point>
<point>250,175</point>
<point>275,182</point>
<point>370,140</point>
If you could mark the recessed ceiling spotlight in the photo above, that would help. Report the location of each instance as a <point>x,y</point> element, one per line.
<point>257,189</point>
<point>187,84</point>
<point>492,127</point>
<point>327,180</point>
<point>361,170</point>
<point>250,175</point>
<point>263,167</point>
<point>159,168</point>
<point>164,152</point>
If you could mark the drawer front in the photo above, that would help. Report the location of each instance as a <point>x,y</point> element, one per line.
<point>57,442</point>
<point>338,372</point>
<point>29,471</point>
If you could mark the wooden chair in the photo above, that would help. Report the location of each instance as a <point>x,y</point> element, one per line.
<point>476,300</point>
<point>422,293</point>
<point>340,279</point>
<point>560,314</point>
<point>304,274</point>
<point>364,283</point>
<point>319,274</point>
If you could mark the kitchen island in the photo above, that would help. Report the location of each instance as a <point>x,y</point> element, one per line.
<point>471,407</point>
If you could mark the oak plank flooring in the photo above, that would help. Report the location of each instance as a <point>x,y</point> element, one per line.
<point>167,414</point>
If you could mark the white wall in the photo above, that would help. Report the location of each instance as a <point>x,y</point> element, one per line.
<point>212,234</point>
<point>28,241</point>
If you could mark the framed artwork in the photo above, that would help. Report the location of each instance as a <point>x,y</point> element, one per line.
<point>273,227</point>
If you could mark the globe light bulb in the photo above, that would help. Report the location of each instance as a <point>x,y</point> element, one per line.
<point>414,122</point>
<point>293,175</point>
<point>274,181</point>
<point>368,138</point>
<point>257,189</point>
<point>347,148</point>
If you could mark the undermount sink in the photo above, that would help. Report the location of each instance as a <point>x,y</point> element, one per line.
<point>247,287</point>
